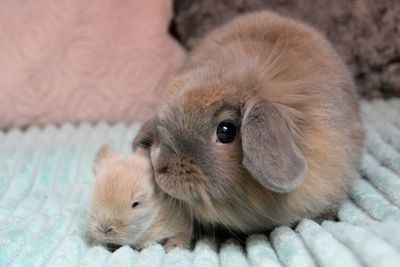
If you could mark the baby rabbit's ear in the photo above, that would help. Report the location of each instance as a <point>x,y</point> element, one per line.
<point>105,153</point>
<point>146,135</point>
<point>269,151</point>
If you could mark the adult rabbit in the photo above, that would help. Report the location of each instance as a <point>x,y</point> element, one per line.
<point>259,128</point>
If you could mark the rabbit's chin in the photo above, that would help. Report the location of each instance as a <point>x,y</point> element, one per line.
<point>186,187</point>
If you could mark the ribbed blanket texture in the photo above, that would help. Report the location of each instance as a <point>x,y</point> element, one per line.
<point>46,180</point>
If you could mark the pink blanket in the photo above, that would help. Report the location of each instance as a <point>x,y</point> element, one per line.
<point>83,60</point>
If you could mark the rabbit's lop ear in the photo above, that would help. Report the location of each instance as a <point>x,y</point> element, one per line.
<point>269,151</point>
<point>146,135</point>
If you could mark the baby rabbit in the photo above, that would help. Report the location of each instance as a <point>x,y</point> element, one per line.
<point>126,208</point>
<point>259,128</point>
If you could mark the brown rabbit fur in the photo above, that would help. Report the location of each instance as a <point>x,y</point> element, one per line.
<point>299,135</point>
<point>114,219</point>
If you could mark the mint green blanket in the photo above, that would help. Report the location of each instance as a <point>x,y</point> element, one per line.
<point>46,179</point>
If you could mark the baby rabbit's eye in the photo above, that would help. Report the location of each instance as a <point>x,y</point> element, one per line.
<point>226,132</point>
<point>135,204</point>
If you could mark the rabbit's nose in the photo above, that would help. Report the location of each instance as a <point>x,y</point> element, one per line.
<point>105,228</point>
<point>161,156</point>
<point>154,155</point>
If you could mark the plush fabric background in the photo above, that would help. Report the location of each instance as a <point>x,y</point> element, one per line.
<point>82,60</point>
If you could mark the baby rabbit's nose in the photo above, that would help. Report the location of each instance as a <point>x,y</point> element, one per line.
<point>105,228</point>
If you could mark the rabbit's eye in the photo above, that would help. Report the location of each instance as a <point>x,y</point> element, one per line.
<point>135,204</point>
<point>226,132</point>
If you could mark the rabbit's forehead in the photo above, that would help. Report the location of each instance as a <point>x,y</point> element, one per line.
<point>199,102</point>
<point>205,98</point>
